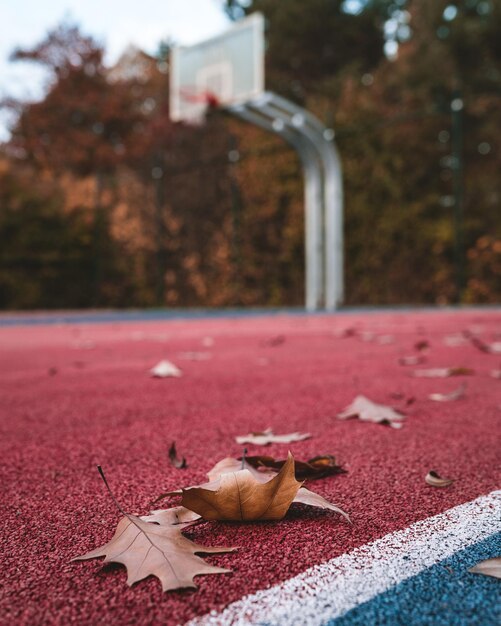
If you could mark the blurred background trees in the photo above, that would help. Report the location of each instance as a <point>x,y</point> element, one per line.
<point>105,202</point>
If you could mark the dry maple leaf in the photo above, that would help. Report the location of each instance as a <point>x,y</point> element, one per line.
<point>318,467</point>
<point>267,436</point>
<point>490,567</point>
<point>178,463</point>
<point>483,346</point>
<point>237,491</point>
<point>444,372</point>
<point>149,548</point>
<point>449,397</point>
<point>368,411</point>
<point>165,369</point>
<point>434,480</point>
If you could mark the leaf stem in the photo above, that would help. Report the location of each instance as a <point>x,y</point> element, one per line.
<point>101,473</point>
<point>243,458</point>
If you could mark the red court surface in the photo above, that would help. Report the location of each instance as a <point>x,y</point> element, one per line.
<point>73,396</point>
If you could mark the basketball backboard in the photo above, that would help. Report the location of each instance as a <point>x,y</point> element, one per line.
<point>225,70</point>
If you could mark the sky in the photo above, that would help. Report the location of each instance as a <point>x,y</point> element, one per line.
<point>114,23</point>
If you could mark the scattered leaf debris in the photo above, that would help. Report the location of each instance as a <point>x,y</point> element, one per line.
<point>483,346</point>
<point>165,369</point>
<point>368,411</point>
<point>435,480</point>
<point>422,345</point>
<point>237,491</point>
<point>449,397</point>
<point>490,567</point>
<point>317,467</point>
<point>267,436</point>
<point>444,372</point>
<point>178,463</point>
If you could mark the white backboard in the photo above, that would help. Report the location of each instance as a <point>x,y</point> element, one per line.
<point>226,69</point>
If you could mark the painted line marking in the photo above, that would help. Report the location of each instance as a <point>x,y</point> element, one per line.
<point>327,591</point>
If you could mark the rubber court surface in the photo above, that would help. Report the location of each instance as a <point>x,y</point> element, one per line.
<point>77,394</point>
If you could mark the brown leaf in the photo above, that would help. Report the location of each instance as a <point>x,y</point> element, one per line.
<point>448,397</point>
<point>238,496</point>
<point>156,549</point>
<point>434,480</point>
<point>490,567</point>
<point>267,436</point>
<point>483,346</point>
<point>244,493</point>
<point>175,516</point>
<point>444,372</point>
<point>369,411</point>
<point>421,345</point>
<point>318,467</point>
<point>178,463</point>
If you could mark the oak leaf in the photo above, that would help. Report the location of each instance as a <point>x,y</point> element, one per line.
<point>267,436</point>
<point>490,567</point>
<point>318,467</point>
<point>368,411</point>
<point>449,397</point>
<point>153,546</point>
<point>237,491</point>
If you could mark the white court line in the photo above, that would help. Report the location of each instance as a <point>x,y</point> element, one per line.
<point>329,590</point>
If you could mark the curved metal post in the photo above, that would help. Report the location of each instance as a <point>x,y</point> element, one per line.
<point>312,196</point>
<point>333,200</point>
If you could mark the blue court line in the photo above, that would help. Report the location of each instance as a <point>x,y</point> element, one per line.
<point>151,315</point>
<point>443,595</point>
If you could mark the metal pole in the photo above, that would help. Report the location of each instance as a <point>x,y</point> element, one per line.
<point>457,107</point>
<point>312,195</point>
<point>333,201</point>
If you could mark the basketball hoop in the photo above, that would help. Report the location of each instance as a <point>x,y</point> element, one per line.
<point>193,95</point>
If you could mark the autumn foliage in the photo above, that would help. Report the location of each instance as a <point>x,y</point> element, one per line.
<point>105,202</point>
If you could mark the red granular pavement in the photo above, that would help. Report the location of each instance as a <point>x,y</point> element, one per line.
<point>73,396</point>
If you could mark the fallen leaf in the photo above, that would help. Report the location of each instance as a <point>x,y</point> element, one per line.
<point>318,467</point>
<point>346,332</point>
<point>489,348</point>
<point>421,345</point>
<point>412,359</point>
<point>178,463</point>
<point>444,372</point>
<point>273,342</point>
<point>434,480</point>
<point>267,436</point>
<point>165,369</point>
<point>148,546</point>
<point>448,397</point>
<point>237,491</point>
<point>177,515</point>
<point>369,411</point>
<point>490,567</point>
